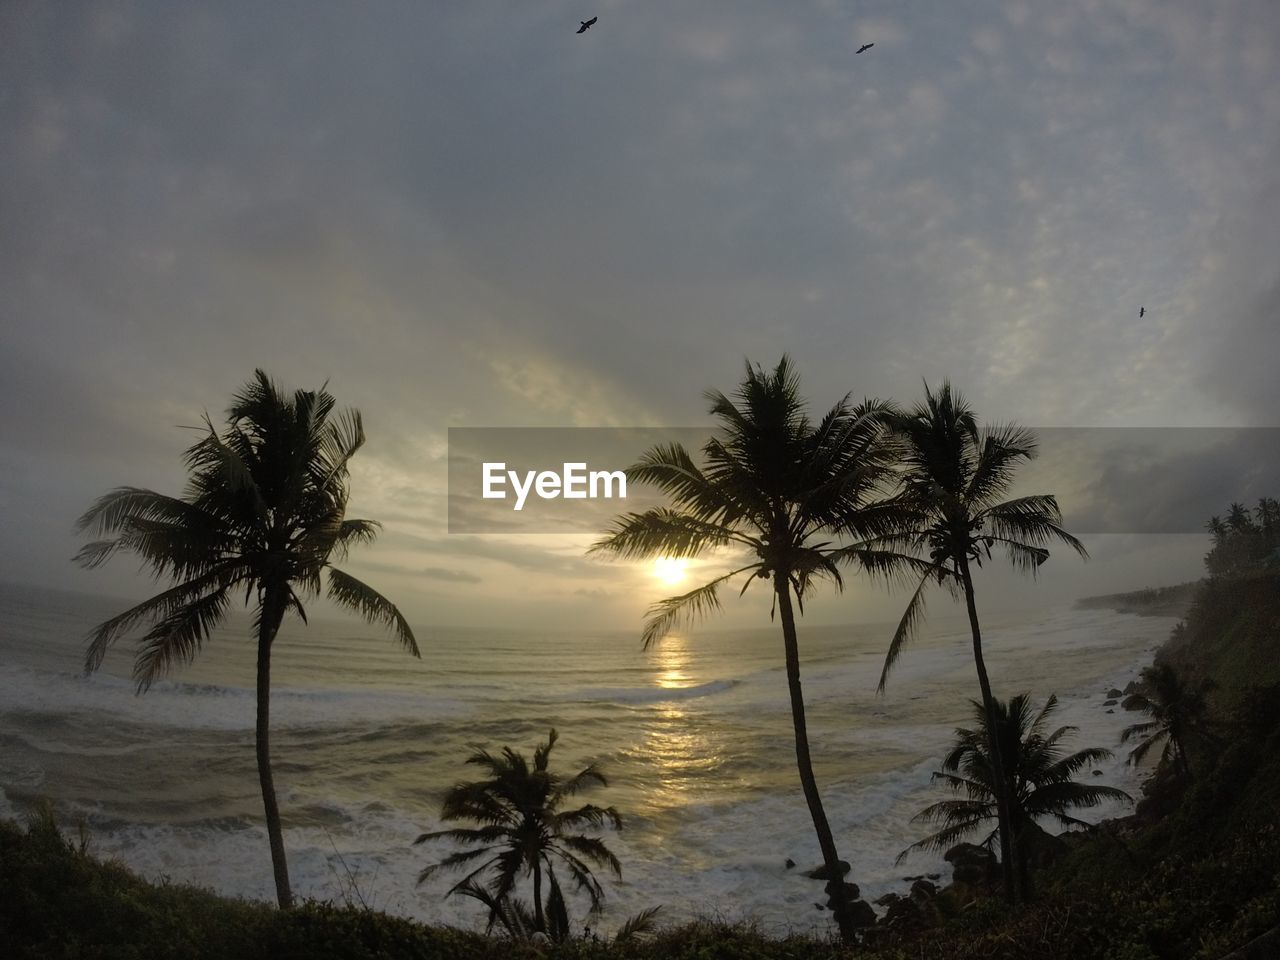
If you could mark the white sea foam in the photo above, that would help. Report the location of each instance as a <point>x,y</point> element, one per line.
<point>209,706</point>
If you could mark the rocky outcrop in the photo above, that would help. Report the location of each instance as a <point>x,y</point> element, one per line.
<point>1042,848</point>
<point>821,872</point>
<point>863,914</point>
<point>972,864</point>
<point>915,911</point>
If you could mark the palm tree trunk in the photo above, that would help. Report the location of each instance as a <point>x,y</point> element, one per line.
<point>539,921</point>
<point>1008,856</point>
<point>271,614</point>
<point>831,860</point>
<point>1024,865</point>
<point>1181,751</point>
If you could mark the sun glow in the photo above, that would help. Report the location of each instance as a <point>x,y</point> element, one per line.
<point>670,570</point>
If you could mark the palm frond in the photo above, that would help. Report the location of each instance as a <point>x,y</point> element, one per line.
<point>112,511</point>
<point>178,637</point>
<point>167,602</point>
<point>666,533</point>
<point>352,532</point>
<point>515,921</point>
<point>944,838</point>
<point>1034,520</point>
<point>664,615</point>
<point>341,438</point>
<point>455,860</point>
<point>911,619</point>
<point>1138,730</point>
<point>671,469</point>
<point>588,776</point>
<point>1001,449</point>
<point>218,461</point>
<point>593,849</point>
<point>346,590</point>
<point>637,925</point>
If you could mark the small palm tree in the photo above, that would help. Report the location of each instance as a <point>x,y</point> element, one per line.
<point>264,513</point>
<point>524,832</point>
<point>1177,712</point>
<point>779,489</point>
<point>955,479</point>
<point>1040,774</point>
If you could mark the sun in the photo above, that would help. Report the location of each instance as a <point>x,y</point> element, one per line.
<point>670,570</point>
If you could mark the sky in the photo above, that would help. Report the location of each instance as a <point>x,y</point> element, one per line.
<point>467,215</point>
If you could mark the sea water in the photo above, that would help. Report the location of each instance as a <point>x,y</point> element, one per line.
<point>694,735</point>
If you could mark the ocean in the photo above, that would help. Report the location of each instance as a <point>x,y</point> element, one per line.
<point>694,736</point>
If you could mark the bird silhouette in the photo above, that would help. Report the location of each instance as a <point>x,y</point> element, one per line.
<point>1142,312</point>
<point>586,24</point>
<point>865,46</point>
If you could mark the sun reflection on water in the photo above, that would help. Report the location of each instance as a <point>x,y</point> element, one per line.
<point>672,653</point>
<point>679,742</point>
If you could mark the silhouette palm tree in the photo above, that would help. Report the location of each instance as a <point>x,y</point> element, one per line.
<point>955,477</point>
<point>264,512</point>
<point>773,484</point>
<point>524,832</point>
<point>1039,773</point>
<point>1177,712</point>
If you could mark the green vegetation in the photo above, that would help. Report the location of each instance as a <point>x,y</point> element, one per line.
<point>264,513</point>
<point>1246,541</point>
<point>954,478</point>
<point>779,489</point>
<point>524,832</point>
<point>1229,634</point>
<point>1153,895</point>
<point>1148,602</point>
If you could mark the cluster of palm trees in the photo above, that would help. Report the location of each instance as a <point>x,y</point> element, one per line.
<point>920,494</point>
<point>1245,540</point>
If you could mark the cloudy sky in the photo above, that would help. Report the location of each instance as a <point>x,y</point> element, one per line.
<point>469,215</point>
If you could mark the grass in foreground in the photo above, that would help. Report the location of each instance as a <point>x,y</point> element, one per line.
<point>1154,896</point>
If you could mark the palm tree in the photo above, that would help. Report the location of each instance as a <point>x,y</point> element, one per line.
<point>264,512</point>
<point>773,485</point>
<point>1040,774</point>
<point>1177,712</point>
<point>524,832</point>
<point>955,477</point>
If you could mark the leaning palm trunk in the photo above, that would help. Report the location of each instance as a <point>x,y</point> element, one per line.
<point>272,613</point>
<point>826,843</point>
<point>1008,853</point>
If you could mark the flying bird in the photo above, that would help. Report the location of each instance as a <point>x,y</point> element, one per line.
<point>865,46</point>
<point>586,24</point>
<point>1142,312</point>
